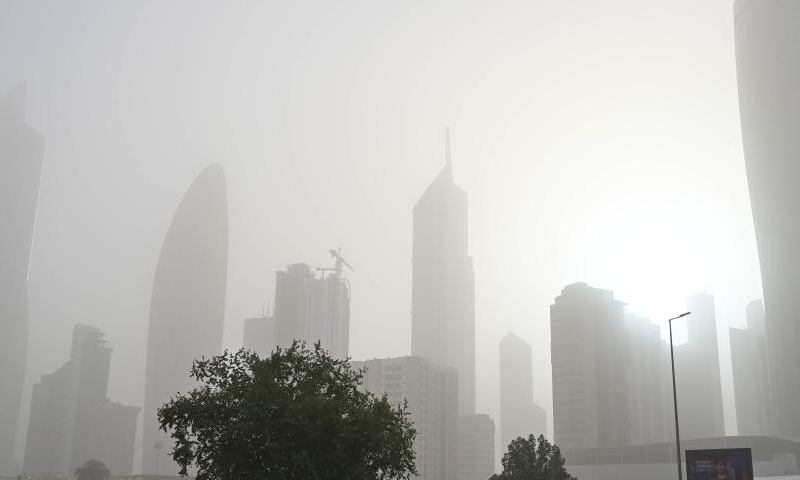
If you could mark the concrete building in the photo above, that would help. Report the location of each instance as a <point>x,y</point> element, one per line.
<point>312,309</point>
<point>475,458</point>
<point>259,335</point>
<point>589,355</point>
<point>697,372</point>
<point>519,415</point>
<point>432,395</point>
<point>187,306</point>
<point>71,419</point>
<point>111,436</point>
<point>649,381</point>
<point>768,70</point>
<point>751,374</point>
<point>443,283</point>
<point>21,156</point>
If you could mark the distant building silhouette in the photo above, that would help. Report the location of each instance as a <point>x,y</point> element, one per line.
<point>751,375</point>
<point>21,153</point>
<point>187,306</point>
<point>312,309</point>
<point>475,457</point>
<point>443,283</point>
<point>697,372</point>
<point>519,415</point>
<point>649,381</point>
<point>768,68</point>
<point>589,357</point>
<point>71,419</point>
<point>432,395</point>
<point>259,334</point>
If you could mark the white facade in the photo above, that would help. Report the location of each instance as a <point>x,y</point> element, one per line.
<point>432,395</point>
<point>588,356</point>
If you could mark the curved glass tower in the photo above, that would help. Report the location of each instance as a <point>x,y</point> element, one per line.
<point>187,306</point>
<point>768,70</point>
<point>21,153</point>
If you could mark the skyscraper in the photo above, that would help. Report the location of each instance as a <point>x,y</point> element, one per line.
<point>312,309</point>
<point>588,355</point>
<point>519,415</point>
<point>751,375</point>
<point>71,419</point>
<point>648,382</point>
<point>443,283</point>
<point>768,67</point>
<point>432,395</point>
<point>187,306</point>
<point>21,153</point>
<point>697,372</point>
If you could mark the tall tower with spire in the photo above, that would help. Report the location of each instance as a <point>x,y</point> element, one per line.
<point>443,282</point>
<point>21,154</point>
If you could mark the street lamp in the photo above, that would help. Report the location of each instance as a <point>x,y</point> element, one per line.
<point>158,446</point>
<point>675,395</point>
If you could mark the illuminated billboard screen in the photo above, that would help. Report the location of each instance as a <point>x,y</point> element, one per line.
<point>719,464</point>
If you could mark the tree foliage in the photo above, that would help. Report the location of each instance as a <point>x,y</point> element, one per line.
<point>296,414</point>
<point>92,470</point>
<point>533,459</point>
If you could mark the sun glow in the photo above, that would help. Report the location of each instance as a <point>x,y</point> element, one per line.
<point>642,220</point>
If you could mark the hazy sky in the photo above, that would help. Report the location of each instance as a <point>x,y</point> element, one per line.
<point>599,142</point>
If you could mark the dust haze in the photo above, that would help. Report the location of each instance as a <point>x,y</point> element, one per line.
<point>598,142</point>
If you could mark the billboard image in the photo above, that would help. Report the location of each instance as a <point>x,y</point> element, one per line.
<point>719,464</point>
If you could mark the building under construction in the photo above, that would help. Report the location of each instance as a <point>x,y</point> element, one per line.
<point>312,305</point>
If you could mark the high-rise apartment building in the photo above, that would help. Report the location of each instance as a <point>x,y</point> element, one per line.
<point>432,395</point>
<point>589,355</point>
<point>697,372</point>
<point>751,374</point>
<point>519,415</point>
<point>650,388</point>
<point>187,306</point>
<point>312,309</point>
<point>21,154</point>
<point>475,458</point>
<point>768,69</point>
<point>443,283</point>
<point>72,421</point>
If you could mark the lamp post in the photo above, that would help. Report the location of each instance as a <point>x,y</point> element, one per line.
<point>158,446</point>
<point>675,395</point>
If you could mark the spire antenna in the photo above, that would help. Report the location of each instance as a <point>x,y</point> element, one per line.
<point>448,160</point>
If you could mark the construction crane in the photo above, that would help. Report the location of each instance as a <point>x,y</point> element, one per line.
<point>340,262</point>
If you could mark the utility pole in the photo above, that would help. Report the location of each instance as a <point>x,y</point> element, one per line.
<point>675,395</point>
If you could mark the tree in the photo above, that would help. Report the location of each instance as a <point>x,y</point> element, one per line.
<point>92,470</point>
<point>533,459</point>
<point>296,414</point>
